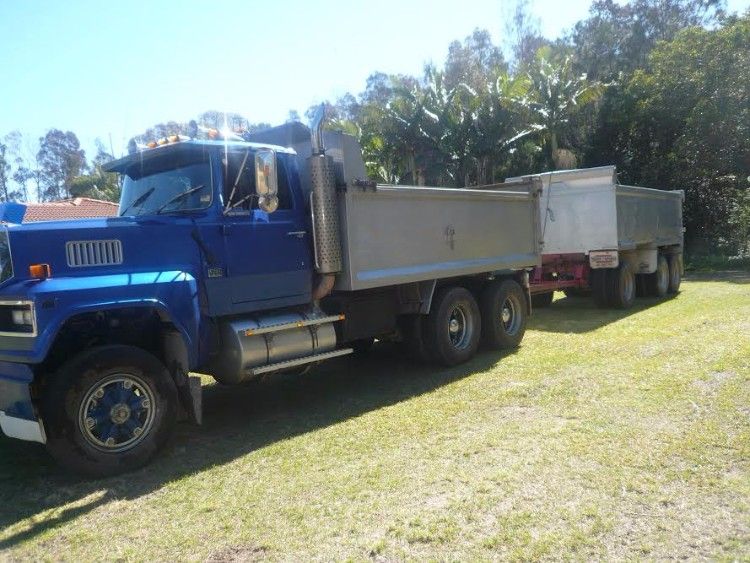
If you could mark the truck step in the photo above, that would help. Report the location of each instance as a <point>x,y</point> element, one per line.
<point>300,361</point>
<point>294,324</point>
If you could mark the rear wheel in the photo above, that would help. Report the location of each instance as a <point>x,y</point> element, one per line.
<point>453,327</point>
<point>503,308</point>
<point>621,287</point>
<point>542,299</point>
<point>675,273</point>
<point>109,410</point>
<point>657,284</point>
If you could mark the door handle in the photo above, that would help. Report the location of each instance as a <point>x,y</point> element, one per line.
<point>298,234</point>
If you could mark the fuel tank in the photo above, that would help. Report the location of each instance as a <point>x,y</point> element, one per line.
<point>269,339</point>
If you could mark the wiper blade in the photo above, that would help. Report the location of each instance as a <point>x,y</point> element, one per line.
<point>140,200</point>
<point>180,196</point>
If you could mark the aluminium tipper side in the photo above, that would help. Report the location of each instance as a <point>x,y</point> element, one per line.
<point>584,210</point>
<point>397,234</point>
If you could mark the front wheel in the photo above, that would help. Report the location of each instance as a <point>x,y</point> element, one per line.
<point>108,410</point>
<point>503,307</point>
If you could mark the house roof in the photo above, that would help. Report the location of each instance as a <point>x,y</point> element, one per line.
<point>77,208</point>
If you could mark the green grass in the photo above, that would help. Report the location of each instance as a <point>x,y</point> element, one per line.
<point>607,435</point>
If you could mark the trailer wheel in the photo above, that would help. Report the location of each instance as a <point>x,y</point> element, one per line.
<point>675,273</point>
<point>599,287</point>
<point>453,327</point>
<point>621,287</point>
<point>503,308</point>
<point>542,299</point>
<point>108,410</point>
<point>657,284</point>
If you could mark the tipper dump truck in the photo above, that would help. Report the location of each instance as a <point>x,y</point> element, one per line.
<point>600,237</point>
<point>239,257</point>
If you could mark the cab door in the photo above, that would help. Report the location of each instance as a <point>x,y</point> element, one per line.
<point>268,255</point>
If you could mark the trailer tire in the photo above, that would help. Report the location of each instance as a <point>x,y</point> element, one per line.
<point>621,287</point>
<point>599,279</point>
<point>675,273</point>
<point>85,437</point>
<point>657,284</point>
<point>541,300</point>
<point>503,308</point>
<point>453,328</point>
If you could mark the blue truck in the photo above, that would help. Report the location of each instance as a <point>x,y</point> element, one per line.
<point>237,257</point>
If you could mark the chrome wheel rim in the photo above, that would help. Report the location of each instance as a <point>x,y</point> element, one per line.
<point>117,413</point>
<point>509,316</point>
<point>459,328</point>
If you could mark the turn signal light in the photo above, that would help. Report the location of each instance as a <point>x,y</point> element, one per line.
<point>40,271</point>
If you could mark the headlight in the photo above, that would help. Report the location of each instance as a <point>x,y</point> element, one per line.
<point>6,264</point>
<point>17,318</point>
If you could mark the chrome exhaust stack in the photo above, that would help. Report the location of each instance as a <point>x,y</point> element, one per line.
<point>324,210</point>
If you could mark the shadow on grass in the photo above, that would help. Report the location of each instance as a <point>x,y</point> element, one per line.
<point>580,314</point>
<point>237,420</point>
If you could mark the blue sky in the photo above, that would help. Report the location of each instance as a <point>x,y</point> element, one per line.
<point>116,68</point>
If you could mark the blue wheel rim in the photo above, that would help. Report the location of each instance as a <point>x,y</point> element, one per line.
<point>117,413</point>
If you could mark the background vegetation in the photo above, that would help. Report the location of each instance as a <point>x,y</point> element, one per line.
<point>659,88</point>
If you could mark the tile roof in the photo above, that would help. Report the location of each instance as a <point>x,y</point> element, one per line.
<point>77,208</point>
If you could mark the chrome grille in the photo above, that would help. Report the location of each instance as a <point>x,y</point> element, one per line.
<point>93,253</point>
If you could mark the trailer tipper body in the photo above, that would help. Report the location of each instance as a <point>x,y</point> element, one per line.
<point>598,236</point>
<point>240,257</point>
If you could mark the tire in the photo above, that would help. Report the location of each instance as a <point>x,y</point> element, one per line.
<point>542,299</point>
<point>412,331</point>
<point>675,273</point>
<point>598,281</point>
<point>453,328</point>
<point>621,287</point>
<point>142,400</point>
<point>657,284</point>
<point>503,308</point>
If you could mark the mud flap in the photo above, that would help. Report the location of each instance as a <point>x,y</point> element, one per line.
<point>190,393</point>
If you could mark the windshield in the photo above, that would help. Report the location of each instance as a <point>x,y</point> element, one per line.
<point>167,185</point>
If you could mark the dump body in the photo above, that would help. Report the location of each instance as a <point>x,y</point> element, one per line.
<point>585,210</point>
<point>394,235</point>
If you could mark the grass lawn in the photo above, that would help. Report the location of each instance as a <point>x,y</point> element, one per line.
<point>607,435</point>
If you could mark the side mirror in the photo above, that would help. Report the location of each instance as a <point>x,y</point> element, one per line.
<point>266,181</point>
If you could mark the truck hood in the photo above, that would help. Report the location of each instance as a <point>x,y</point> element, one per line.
<point>103,246</point>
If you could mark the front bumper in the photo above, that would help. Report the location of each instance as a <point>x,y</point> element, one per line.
<point>17,414</point>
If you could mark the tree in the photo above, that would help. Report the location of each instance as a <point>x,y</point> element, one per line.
<point>684,123</point>
<point>617,37</point>
<point>97,184</point>
<point>60,159</point>
<point>4,174</point>
<point>557,95</point>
